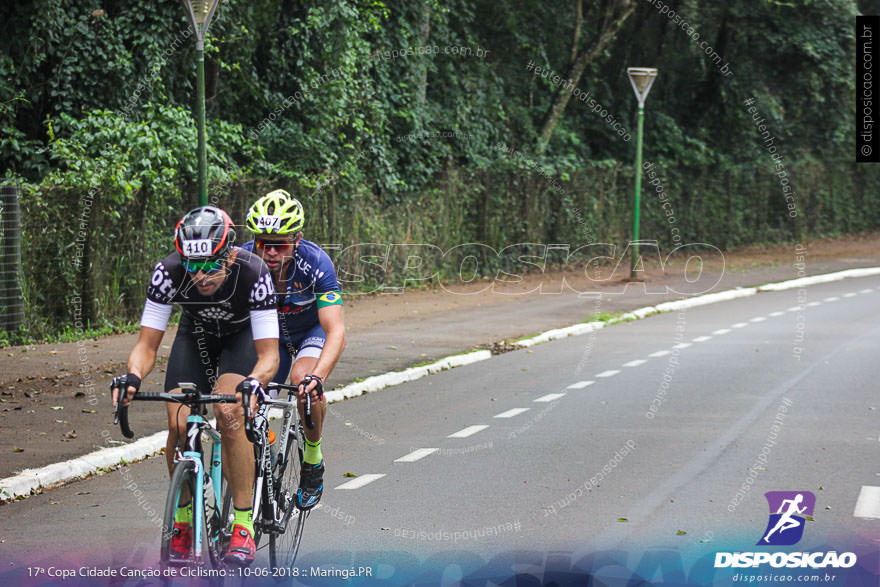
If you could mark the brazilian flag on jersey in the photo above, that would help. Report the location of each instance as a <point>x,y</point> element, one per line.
<point>330,298</point>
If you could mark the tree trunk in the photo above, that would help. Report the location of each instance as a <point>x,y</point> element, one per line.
<point>609,30</point>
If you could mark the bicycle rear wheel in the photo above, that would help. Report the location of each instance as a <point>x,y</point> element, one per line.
<point>283,548</point>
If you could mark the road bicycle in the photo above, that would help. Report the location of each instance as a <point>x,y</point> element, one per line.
<point>278,463</point>
<point>277,474</point>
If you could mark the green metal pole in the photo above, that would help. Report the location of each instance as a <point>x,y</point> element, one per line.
<point>200,121</point>
<point>635,244</point>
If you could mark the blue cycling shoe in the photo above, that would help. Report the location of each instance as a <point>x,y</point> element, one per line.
<point>311,486</point>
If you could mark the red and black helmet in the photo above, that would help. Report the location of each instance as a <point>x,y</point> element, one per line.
<point>204,234</point>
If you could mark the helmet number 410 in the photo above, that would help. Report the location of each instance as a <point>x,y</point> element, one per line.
<point>197,248</point>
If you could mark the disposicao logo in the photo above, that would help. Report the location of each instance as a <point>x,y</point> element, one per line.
<point>788,515</point>
<point>788,511</point>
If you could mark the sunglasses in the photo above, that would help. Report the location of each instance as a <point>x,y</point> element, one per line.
<point>270,245</point>
<point>206,267</point>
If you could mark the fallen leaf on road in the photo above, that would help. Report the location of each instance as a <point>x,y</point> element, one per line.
<point>680,533</point>
<point>623,519</point>
<point>79,394</point>
<point>349,475</point>
<point>56,408</point>
<point>16,449</point>
<point>70,434</point>
<point>89,412</point>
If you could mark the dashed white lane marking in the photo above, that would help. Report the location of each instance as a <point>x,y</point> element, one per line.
<point>831,299</point>
<point>775,314</point>
<point>739,325</point>
<point>549,397</point>
<point>681,345</point>
<point>852,294</point>
<point>659,354</point>
<point>511,413</point>
<point>359,482</point>
<point>415,455</point>
<point>608,373</point>
<point>757,319</point>
<point>721,331</point>
<point>702,339</point>
<point>868,290</point>
<point>469,431</point>
<point>813,304</point>
<point>868,504</point>
<point>579,385</point>
<point>794,309</point>
<point>635,363</point>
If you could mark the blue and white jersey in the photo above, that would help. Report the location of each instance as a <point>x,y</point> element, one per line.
<point>311,283</point>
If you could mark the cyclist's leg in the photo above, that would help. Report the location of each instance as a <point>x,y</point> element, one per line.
<point>312,474</point>
<point>190,360</point>
<point>237,360</point>
<point>309,349</point>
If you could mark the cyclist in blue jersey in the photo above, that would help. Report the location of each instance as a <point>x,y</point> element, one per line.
<point>312,330</point>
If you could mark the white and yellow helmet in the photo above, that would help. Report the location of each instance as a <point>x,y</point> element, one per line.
<point>276,213</point>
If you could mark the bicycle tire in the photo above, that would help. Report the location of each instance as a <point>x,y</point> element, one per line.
<point>283,548</point>
<point>183,475</point>
<point>219,529</point>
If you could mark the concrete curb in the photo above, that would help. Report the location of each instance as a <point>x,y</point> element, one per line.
<point>33,480</point>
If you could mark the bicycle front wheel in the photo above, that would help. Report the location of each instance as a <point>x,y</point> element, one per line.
<point>181,488</point>
<point>283,548</point>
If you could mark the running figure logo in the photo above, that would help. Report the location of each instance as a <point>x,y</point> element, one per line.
<point>788,512</point>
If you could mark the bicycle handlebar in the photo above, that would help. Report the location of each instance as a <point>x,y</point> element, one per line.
<point>307,410</point>
<point>191,398</point>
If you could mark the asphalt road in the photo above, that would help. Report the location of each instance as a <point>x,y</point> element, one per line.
<point>687,420</point>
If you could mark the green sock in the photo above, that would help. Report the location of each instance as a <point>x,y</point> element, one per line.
<point>184,514</point>
<point>244,518</point>
<point>312,455</point>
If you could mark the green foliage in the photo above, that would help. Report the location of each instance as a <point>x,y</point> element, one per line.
<point>362,109</point>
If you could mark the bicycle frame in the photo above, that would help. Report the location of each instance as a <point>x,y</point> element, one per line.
<point>195,425</point>
<point>265,464</point>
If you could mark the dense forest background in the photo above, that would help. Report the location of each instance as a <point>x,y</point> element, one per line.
<point>421,121</point>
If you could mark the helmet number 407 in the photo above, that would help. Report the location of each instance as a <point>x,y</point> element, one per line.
<point>269,222</point>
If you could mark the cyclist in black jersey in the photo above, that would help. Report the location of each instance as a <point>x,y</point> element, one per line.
<point>310,314</point>
<point>227,342</point>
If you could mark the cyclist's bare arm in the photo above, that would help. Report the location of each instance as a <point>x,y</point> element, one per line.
<point>142,358</point>
<point>267,360</point>
<point>334,327</point>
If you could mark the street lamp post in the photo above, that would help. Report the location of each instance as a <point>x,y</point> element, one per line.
<point>200,13</point>
<point>641,78</point>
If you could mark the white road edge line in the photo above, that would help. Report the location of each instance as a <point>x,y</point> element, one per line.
<point>31,480</point>
<point>415,455</point>
<point>359,482</point>
<point>469,431</point>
